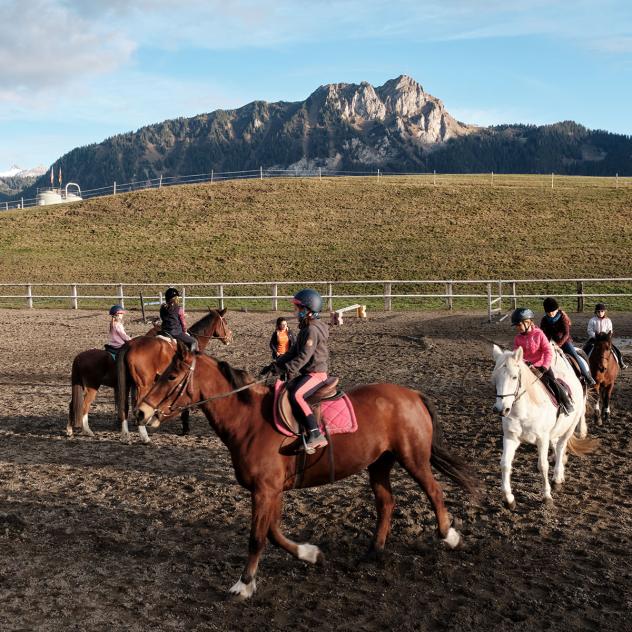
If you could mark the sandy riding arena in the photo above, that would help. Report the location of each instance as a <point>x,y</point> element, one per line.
<point>97,535</point>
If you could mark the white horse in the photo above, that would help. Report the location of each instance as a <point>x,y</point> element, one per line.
<point>529,415</point>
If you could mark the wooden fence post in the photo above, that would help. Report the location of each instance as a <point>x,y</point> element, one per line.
<point>448,291</point>
<point>514,298</point>
<point>121,296</point>
<point>29,294</point>
<point>500,295</point>
<point>220,291</point>
<point>489,302</point>
<point>184,298</point>
<point>387,297</point>
<point>275,297</point>
<point>330,300</point>
<point>75,302</point>
<point>580,296</point>
<point>114,188</point>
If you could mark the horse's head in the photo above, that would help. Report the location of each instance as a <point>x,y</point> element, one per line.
<point>506,378</point>
<point>602,352</point>
<point>212,325</point>
<point>170,390</point>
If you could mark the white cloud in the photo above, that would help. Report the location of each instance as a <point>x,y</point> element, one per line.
<point>44,45</point>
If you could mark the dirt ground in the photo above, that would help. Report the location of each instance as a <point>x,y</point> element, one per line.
<point>97,535</point>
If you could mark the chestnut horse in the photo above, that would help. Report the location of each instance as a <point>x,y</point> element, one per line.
<point>604,369</point>
<point>143,359</point>
<point>395,424</point>
<point>95,367</point>
<point>91,369</point>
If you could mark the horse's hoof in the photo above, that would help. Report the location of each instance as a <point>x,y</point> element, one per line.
<point>599,422</point>
<point>126,439</point>
<point>241,591</point>
<point>548,501</point>
<point>373,554</point>
<point>511,505</point>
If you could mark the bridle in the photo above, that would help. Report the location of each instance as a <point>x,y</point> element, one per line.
<point>182,385</point>
<point>227,335</point>
<point>516,394</point>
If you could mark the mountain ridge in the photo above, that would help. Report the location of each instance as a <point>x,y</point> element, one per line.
<point>397,127</point>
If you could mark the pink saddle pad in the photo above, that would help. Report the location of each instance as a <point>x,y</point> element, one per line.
<point>337,414</point>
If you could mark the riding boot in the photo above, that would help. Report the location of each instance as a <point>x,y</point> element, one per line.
<point>563,399</point>
<point>617,353</point>
<point>315,439</point>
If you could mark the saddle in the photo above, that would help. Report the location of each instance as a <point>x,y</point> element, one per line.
<point>283,409</point>
<point>573,362</point>
<point>167,337</point>
<point>550,389</point>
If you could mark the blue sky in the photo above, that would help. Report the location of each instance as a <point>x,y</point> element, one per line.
<point>73,72</point>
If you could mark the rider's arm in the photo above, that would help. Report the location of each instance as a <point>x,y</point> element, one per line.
<point>565,331</point>
<point>182,318</point>
<point>300,354</point>
<point>591,327</point>
<point>546,352</point>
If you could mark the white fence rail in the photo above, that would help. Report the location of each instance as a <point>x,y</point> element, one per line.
<point>548,181</point>
<point>496,295</point>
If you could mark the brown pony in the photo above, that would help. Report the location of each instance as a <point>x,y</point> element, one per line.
<point>604,369</point>
<point>143,359</point>
<point>395,424</point>
<point>91,369</point>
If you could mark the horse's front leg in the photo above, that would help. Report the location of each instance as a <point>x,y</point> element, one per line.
<point>607,392</point>
<point>306,552</point>
<point>263,509</point>
<point>597,410</point>
<point>560,459</point>
<point>543,465</point>
<point>510,445</point>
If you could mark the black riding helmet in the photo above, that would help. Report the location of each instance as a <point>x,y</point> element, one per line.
<point>599,307</point>
<point>520,314</point>
<point>309,299</point>
<point>550,304</point>
<point>171,293</point>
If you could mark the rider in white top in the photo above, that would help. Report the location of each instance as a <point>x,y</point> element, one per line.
<point>601,324</point>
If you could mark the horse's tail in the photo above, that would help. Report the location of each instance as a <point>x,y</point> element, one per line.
<point>76,400</point>
<point>121,384</point>
<point>452,466</point>
<point>581,447</point>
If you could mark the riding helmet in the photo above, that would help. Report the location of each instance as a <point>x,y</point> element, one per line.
<point>599,307</point>
<point>520,314</point>
<point>309,299</point>
<point>550,304</point>
<point>116,309</point>
<point>171,293</point>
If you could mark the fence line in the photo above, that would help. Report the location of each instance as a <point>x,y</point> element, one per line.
<point>497,295</point>
<point>492,179</point>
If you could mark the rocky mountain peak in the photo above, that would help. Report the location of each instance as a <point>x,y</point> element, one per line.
<point>401,102</point>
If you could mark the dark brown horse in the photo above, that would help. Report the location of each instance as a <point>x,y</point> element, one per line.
<point>395,424</point>
<point>604,369</point>
<point>91,369</point>
<point>143,359</point>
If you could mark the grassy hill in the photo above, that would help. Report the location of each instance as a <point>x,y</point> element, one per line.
<point>329,229</point>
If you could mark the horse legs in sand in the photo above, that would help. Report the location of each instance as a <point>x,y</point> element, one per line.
<point>380,477</point>
<point>418,466</point>
<point>542,443</point>
<point>607,392</point>
<point>266,518</point>
<point>89,395</point>
<point>510,445</point>
<point>599,392</point>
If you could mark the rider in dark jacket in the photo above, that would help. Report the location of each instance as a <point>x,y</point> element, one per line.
<point>306,364</point>
<point>557,327</point>
<point>173,319</point>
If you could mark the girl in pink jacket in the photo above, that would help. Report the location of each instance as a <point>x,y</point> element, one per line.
<point>537,352</point>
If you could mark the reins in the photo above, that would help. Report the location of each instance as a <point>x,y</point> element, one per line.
<point>183,383</point>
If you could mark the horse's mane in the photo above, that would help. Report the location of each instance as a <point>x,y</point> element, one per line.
<point>200,325</point>
<point>602,337</point>
<point>237,378</point>
<point>536,395</point>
